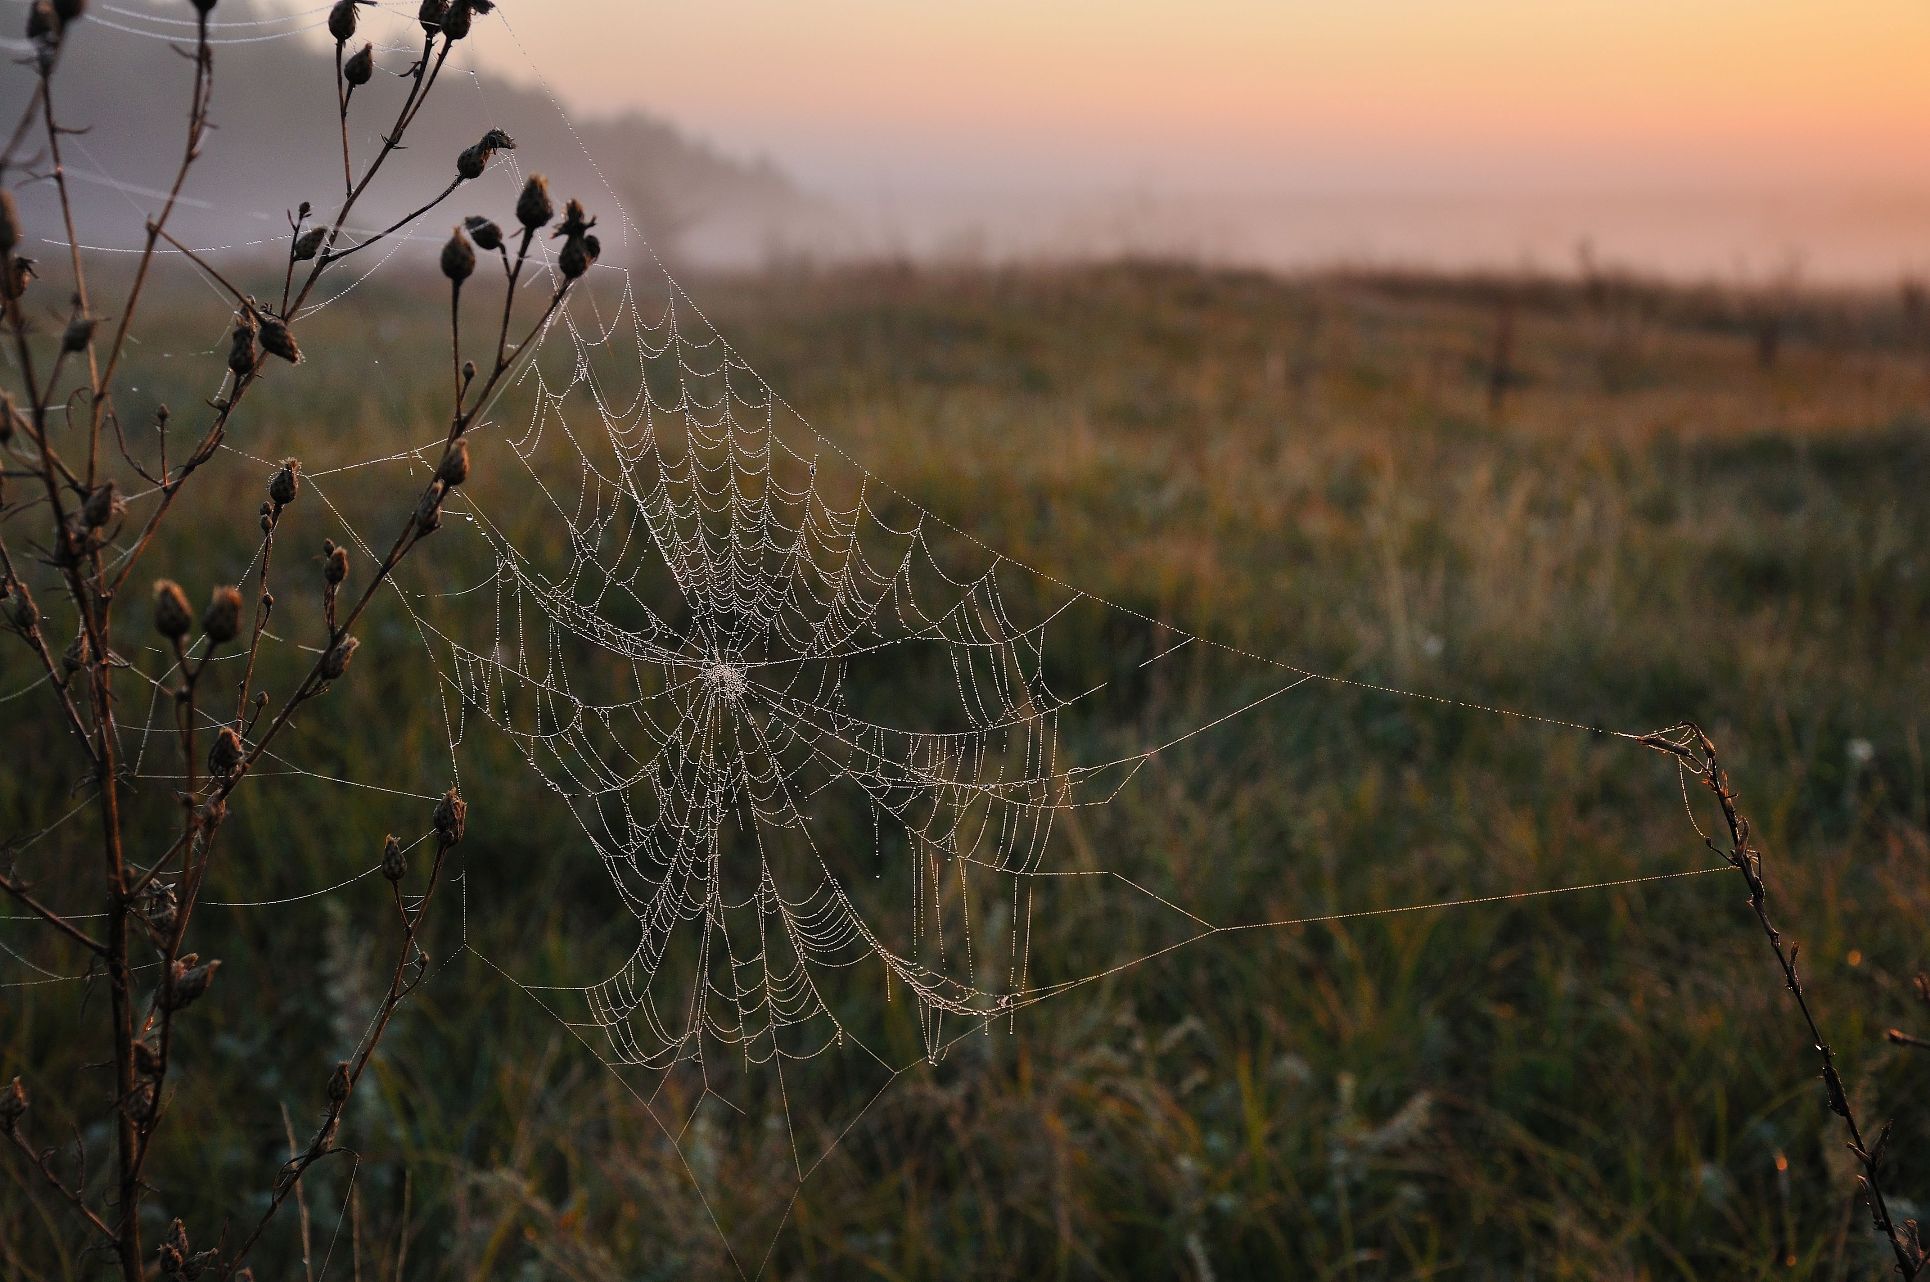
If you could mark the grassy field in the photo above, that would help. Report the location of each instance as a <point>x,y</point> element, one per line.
<point>1655,523</point>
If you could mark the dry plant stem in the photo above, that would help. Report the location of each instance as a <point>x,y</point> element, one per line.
<point>42,1160</point>
<point>37,641</point>
<point>1695,752</point>
<point>400,986</point>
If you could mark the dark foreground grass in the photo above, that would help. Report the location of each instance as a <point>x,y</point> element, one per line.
<point>1601,1085</point>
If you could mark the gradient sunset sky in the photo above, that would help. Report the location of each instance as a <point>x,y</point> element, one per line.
<point>1266,94</point>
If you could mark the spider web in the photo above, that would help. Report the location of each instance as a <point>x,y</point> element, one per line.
<point>824,743</point>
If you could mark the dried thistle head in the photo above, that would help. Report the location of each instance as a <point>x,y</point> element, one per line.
<point>104,504</point>
<point>43,24</point>
<point>429,14</point>
<point>172,617</point>
<point>360,68</point>
<point>451,818</point>
<point>336,661</point>
<point>575,221</point>
<point>243,354</point>
<point>428,509</point>
<point>334,563</point>
<point>222,619</point>
<point>225,754</point>
<point>286,483</point>
<point>474,159</point>
<point>191,979</point>
<point>458,258</point>
<point>308,244</point>
<point>456,20</point>
<point>276,340</point>
<point>534,207</point>
<point>454,469</point>
<point>339,1083</point>
<point>395,862</point>
<point>78,334</point>
<point>579,254</point>
<point>487,235</point>
<point>70,11</point>
<point>342,19</point>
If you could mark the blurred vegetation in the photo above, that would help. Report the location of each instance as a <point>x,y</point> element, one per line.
<point>1660,520</point>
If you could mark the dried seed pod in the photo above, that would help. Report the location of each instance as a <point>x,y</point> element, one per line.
<point>428,509</point>
<point>342,19</point>
<point>276,340</point>
<point>172,1253</point>
<point>455,20</point>
<point>339,1084</point>
<point>430,16</point>
<point>395,863</point>
<point>190,983</point>
<point>579,253</point>
<point>308,244</point>
<point>575,221</point>
<point>79,651</point>
<point>487,235</point>
<point>451,818</point>
<point>468,373</point>
<point>9,221</point>
<point>336,661</point>
<point>474,159</point>
<point>79,333</point>
<point>225,755</point>
<point>172,618</point>
<point>286,483</point>
<point>104,503</point>
<point>534,207</point>
<point>161,909</point>
<point>334,563</point>
<point>455,465</point>
<point>204,7</point>
<point>360,68</point>
<point>13,1105</point>
<point>70,10</point>
<point>243,355</point>
<point>458,259</point>
<point>222,619</point>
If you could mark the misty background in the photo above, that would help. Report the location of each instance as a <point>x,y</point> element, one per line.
<point>1744,144</point>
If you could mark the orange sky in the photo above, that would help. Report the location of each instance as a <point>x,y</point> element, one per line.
<point>1265,94</point>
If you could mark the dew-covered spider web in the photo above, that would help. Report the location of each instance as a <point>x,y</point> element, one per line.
<point>835,757</point>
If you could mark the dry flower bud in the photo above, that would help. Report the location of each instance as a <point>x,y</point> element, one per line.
<point>455,20</point>
<point>9,221</point>
<point>70,10</point>
<point>204,6</point>
<point>309,244</point>
<point>225,755</point>
<point>458,259</point>
<point>286,483</point>
<point>455,465</point>
<point>222,619</point>
<point>104,504</point>
<point>395,863</point>
<point>334,563</point>
<point>336,661</point>
<point>487,235</point>
<point>360,68</point>
<point>276,340</point>
<point>342,19</point>
<point>21,613</point>
<point>172,618</point>
<point>190,983</point>
<point>339,1083</point>
<point>473,160</point>
<point>428,509</point>
<point>242,354</point>
<point>579,253</point>
<point>468,373</point>
<point>451,818</point>
<point>13,1105</point>
<point>430,16</point>
<point>534,207</point>
<point>79,333</point>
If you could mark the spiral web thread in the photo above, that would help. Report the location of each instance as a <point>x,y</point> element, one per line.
<point>736,648</point>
